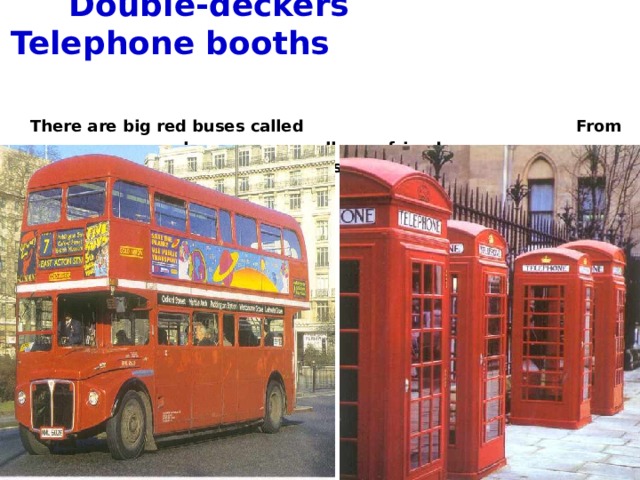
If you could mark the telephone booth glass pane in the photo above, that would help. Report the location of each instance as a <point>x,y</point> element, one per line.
<point>543,343</point>
<point>454,338</point>
<point>349,366</point>
<point>425,430</point>
<point>587,351</point>
<point>619,334</point>
<point>494,356</point>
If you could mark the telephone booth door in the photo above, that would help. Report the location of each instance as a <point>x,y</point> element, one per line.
<point>355,308</point>
<point>427,367</point>
<point>608,324</point>
<point>478,350</point>
<point>394,322</point>
<point>552,339</point>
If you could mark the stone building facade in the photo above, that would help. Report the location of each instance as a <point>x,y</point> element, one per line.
<point>16,168</point>
<point>295,179</point>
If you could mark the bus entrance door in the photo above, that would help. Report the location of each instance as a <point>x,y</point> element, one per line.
<point>173,390</point>
<point>206,361</point>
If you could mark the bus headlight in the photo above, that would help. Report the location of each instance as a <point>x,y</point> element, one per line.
<point>93,398</point>
<point>22,397</point>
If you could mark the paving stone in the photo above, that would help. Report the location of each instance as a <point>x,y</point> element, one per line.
<point>609,471</point>
<point>601,477</point>
<point>632,450</point>
<point>557,460</point>
<point>596,440</point>
<point>534,431</point>
<point>566,444</point>
<point>514,449</point>
<point>631,424</point>
<point>624,460</point>
<point>537,474</point>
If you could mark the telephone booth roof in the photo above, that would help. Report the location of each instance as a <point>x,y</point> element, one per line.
<point>553,260</point>
<point>474,239</point>
<point>368,177</point>
<point>598,251</point>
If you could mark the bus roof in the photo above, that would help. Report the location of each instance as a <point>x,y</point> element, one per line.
<point>96,166</point>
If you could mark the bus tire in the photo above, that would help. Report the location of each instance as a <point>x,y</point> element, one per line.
<point>126,430</point>
<point>32,443</point>
<point>274,408</point>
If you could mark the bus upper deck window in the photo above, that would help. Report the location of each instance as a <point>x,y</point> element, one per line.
<point>85,200</point>
<point>292,244</point>
<point>246,234</point>
<point>44,206</point>
<point>225,226</point>
<point>271,238</point>
<point>170,212</point>
<point>203,220</point>
<point>130,201</point>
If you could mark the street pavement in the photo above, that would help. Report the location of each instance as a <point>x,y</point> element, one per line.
<point>606,449</point>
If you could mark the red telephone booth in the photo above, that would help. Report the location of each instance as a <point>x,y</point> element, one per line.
<point>394,322</point>
<point>552,335</point>
<point>478,350</point>
<point>608,324</point>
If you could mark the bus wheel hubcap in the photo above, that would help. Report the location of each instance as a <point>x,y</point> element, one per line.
<point>132,425</point>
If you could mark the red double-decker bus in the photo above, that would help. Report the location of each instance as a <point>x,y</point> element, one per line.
<point>149,306</point>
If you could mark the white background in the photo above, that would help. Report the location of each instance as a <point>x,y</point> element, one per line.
<point>460,72</point>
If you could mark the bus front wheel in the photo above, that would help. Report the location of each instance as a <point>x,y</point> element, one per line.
<point>126,429</point>
<point>274,408</point>
<point>31,443</point>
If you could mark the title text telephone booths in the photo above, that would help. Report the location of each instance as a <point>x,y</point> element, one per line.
<point>552,335</point>
<point>478,350</point>
<point>608,263</point>
<point>394,322</point>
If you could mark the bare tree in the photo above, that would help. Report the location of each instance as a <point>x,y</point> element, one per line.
<point>16,167</point>
<point>605,194</point>
<point>48,152</point>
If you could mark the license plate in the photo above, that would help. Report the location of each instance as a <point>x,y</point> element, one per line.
<point>47,433</point>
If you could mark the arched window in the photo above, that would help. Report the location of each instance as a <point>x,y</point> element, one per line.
<point>541,183</point>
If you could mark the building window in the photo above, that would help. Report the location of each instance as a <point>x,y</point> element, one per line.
<point>207,163</point>
<point>219,160</point>
<point>269,180</point>
<point>169,165</point>
<point>296,151</point>
<point>294,201</point>
<point>243,184</point>
<point>322,311</point>
<point>322,257</point>
<point>192,164</point>
<point>322,150</point>
<point>295,178</point>
<point>591,202</point>
<point>322,175</point>
<point>322,198</point>
<point>243,158</point>
<point>322,286</point>
<point>541,199</point>
<point>322,230</point>
<point>541,205</point>
<point>269,154</point>
<point>270,202</point>
<point>219,186</point>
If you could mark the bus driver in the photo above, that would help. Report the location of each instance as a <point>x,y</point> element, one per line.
<point>69,331</point>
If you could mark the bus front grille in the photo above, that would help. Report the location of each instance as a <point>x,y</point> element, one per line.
<point>52,404</point>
